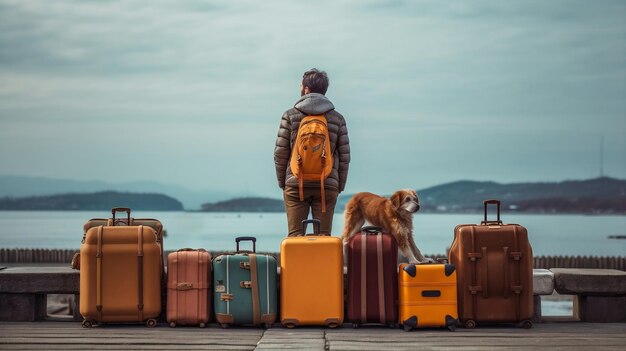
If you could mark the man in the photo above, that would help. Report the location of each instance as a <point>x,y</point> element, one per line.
<point>311,103</point>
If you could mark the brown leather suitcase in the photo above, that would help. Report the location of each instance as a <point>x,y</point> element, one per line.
<point>128,221</point>
<point>494,264</point>
<point>188,286</point>
<point>372,261</point>
<point>120,275</point>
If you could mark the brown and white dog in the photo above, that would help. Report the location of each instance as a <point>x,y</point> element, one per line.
<point>395,215</point>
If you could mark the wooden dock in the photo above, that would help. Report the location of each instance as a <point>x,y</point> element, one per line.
<point>555,336</point>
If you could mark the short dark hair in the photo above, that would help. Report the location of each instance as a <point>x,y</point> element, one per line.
<point>316,80</point>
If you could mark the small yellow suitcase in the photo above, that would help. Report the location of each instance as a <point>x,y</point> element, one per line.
<point>311,280</point>
<point>427,296</point>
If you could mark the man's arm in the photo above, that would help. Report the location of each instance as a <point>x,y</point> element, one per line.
<point>343,147</point>
<point>282,151</point>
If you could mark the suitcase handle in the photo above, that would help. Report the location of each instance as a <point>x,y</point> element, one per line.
<point>372,230</point>
<point>246,238</point>
<point>114,210</point>
<point>486,204</point>
<point>316,226</point>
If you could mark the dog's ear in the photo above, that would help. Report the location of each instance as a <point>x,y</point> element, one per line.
<point>396,200</point>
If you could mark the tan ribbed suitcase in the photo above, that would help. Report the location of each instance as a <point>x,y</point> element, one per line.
<point>120,275</point>
<point>188,286</point>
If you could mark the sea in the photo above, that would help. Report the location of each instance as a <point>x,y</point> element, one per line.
<point>572,235</point>
<point>549,234</point>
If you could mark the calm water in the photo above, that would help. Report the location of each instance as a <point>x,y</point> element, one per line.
<point>549,234</point>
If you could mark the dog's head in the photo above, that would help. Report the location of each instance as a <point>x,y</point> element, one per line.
<point>405,200</point>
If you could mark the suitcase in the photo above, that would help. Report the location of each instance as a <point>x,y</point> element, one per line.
<point>120,275</point>
<point>113,221</point>
<point>427,296</point>
<point>311,279</point>
<point>245,287</point>
<point>188,286</point>
<point>372,262</point>
<point>150,222</point>
<point>494,264</point>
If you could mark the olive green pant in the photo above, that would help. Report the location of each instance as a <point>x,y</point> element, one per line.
<point>297,210</point>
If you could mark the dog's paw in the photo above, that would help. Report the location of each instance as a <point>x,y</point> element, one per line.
<point>426,260</point>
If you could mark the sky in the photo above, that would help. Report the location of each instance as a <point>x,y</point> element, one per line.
<point>191,93</point>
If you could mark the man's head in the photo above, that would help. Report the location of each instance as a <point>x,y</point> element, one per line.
<point>314,81</point>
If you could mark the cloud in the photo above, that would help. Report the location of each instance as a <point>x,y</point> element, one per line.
<point>193,72</point>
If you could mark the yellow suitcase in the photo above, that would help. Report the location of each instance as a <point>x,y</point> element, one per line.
<point>427,296</point>
<point>311,280</point>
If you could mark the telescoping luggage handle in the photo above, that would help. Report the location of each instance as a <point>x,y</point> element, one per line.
<point>316,226</point>
<point>115,210</point>
<point>486,203</point>
<point>246,238</point>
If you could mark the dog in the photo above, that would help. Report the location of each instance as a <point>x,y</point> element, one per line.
<point>395,215</point>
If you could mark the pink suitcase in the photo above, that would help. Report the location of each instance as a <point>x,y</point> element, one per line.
<point>188,285</point>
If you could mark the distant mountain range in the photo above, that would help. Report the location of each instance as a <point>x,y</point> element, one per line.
<point>22,186</point>
<point>93,202</point>
<point>600,195</point>
<point>594,196</point>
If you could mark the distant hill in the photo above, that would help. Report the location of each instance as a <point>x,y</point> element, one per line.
<point>93,202</point>
<point>22,186</point>
<point>599,195</point>
<point>595,196</point>
<point>249,204</point>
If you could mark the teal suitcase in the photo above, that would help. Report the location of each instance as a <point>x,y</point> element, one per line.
<point>245,287</point>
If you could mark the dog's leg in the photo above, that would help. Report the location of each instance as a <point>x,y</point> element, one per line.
<point>416,253</point>
<point>408,254</point>
<point>356,227</point>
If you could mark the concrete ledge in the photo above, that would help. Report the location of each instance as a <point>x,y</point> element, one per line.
<point>39,280</point>
<point>24,290</point>
<point>578,281</point>
<point>543,282</point>
<point>600,309</point>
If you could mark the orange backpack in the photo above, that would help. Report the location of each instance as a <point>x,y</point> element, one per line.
<point>311,157</point>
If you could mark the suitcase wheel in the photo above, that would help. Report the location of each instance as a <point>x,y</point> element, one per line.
<point>332,325</point>
<point>224,325</point>
<point>151,323</point>
<point>392,325</point>
<point>290,325</point>
<point>202,325</point>
<point>407,327</point>
<point>355,325</point>
<point>87,323</point>
<point>470,324</point>
<point>268,325</point>
<point>526,324</point>
<point>172,324</point>
<point>452,327</point>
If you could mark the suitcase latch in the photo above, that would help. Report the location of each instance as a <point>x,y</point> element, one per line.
<point>226,297</point>
<point>474,289</point>
<point>517,289</point>
<point>246,284</point>
<point>184,286</point>
<point>474,255</point>
<point>244,265</point>
<point>515,255</point>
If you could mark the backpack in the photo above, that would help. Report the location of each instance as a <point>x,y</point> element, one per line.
<point>311,157</point>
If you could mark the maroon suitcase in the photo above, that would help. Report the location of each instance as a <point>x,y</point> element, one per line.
<point>372,278</point>
<point>494,263</point>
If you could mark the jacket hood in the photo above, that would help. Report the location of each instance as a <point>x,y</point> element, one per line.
<point>314,104</point>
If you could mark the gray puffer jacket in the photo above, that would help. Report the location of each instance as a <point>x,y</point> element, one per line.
<point>313,104</point>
